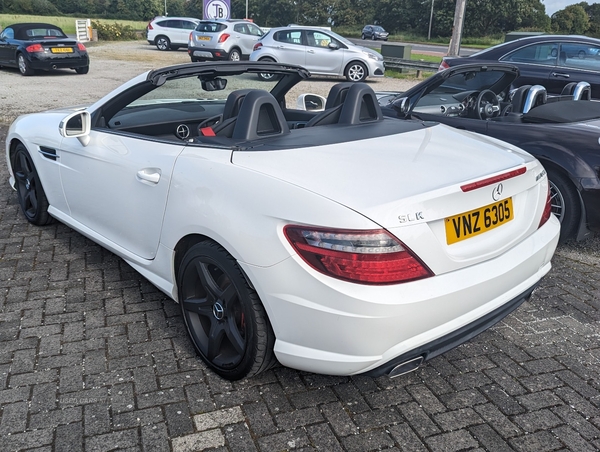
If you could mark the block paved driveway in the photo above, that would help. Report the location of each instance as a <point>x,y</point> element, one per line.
<point>94,358</point>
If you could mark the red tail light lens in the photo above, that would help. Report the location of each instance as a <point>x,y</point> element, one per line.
<point>547,209</point>
<point>34,48</point>
<point>150,26</point>
<point>443,65</point>
<point>257,46</point>
<point>365,257</point>
<point>81,47</point>
<point>223,37</point>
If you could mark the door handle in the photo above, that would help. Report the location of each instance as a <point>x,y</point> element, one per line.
<point>151,175</point>
<point>310,51</point>
<point>560,74</point>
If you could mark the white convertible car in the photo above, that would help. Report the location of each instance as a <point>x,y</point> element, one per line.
<point>334,241</point>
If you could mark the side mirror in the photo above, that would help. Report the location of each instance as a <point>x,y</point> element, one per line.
<point>401,106</point>
<point>77,125</point>
<point>311,102</point>
<point>333,46</point>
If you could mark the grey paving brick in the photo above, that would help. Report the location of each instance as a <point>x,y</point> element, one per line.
<point>489,438</point>
<point>28,440</point>
<point>155,438</point>
<point>388,397</point>
<point>452,441</point>
<point>426,399</point>
<point>419,420</point>
<point>370,440</point>
<point>198,441</point>
<point>259,418</point>
<point>572,439</point>
<point>52,419</point>
<point>69,438</point>
<point>339,419</point>
<point>298,418</point>
<point>97,419</point>
<point>179,421</point>
<point>541,399</point>
<point>406,438</point>
<point>121,439</point>
<point>322,438</point>
<point>312,397</point>
<point>14,418</point>
<point>148,416</point>
<point>455,420</point>
<point>292,439</point>
<point>540,441</point>
<point>43,397</point>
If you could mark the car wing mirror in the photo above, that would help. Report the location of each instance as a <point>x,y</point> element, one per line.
<point>333,46</point>
<point>401,106</point>
<point>311,102</point>
<point>77,125</point>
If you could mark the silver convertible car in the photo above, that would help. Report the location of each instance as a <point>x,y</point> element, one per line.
<point>334,241</point>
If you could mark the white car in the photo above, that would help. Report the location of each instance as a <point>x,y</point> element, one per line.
<point>170,33</point>
<point>337,242</point>
<point>321,51</point>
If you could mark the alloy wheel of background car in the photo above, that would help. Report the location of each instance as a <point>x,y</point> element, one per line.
<point>362,36</point>
<point>356,72</point>
<point>266,76</point>
<point>163,43</point>
<point>24,67</point>
<point>373,37</point>
<point>235,55</point>
<point>223,314</point>
<point>565,204</point>
<point>30,192</point>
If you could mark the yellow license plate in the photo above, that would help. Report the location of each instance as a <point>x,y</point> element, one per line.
<point>203,38</point>
<point>61,50</point>
<point>469,224</point>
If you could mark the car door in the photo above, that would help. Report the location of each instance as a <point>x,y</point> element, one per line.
<point>289,47</point>
<point>320,58</point>
<point>576,63</point>
<point>6,48</point>
<point>117,186</point>
<point>250,36</point>
<point>536,62</point>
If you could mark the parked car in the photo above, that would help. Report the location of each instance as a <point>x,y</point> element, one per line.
<point>374,32</point>
<point>552,61</point>
<point>170,33</point>
<point>38,46</point>
<point>223,40</point>
<point>321,51</point>
<point>353,244</point>
<point>560,131</point>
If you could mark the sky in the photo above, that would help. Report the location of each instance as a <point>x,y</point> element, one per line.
<point>556,5</point>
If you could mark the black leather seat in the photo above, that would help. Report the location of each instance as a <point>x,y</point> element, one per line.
<point>232,108</point>
<point>260,116</point>
<point>333,106</point>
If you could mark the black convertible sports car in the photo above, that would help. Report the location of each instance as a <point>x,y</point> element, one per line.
<point>37,46</point>
<point>563,132</point>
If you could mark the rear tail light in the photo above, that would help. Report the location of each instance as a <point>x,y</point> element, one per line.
<point>365,257</point>
<point>257,46</point>
<point>34,48</point>
<point>223,37</point>
<point>191,38</point>
<point>150,26</point>
<point>443,65</point>
<point>547,209</point>
<point>81,47</point>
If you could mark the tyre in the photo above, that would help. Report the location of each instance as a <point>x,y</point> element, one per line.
<point>362,36</point>
<point>82,70</point>
<point>235,55</point>
<point>30,192</point>
<point>162,43</point>
<point>565,202</point>
<point>174,47</point>
<point>223,315</point>
<point>24,67</point>
<point>373,37</point>
<point>356,72</point>
<point>266,76</point>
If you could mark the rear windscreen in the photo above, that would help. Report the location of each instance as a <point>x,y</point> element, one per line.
<point>210,27</point>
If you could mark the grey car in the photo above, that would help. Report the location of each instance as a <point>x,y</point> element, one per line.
<point>223,40</point>
<point>321,51</point>
<point>374,32</point>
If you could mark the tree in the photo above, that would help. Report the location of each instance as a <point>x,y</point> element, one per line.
<point>571,20</point>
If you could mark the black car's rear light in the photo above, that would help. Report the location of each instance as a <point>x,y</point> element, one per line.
<point>81,47</point>
<point>34,48</point>
<point>443,65</point>
<point>547,209</point>
<point>366,257</point>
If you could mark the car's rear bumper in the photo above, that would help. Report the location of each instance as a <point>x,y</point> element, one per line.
<point>46,63</point>
<point>202,53</point>
<point>328,326</point>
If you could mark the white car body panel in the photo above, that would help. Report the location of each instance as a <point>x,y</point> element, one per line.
<point>142,198</point>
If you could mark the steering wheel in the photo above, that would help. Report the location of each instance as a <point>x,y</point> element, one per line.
<point>487,104</point>
<point>208,122</point>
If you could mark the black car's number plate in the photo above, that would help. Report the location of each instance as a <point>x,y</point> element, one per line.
<point>469,224</point>
<point>61,50</point>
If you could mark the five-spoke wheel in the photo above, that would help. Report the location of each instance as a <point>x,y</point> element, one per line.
<point>223,314</point>
<point>30,192</point>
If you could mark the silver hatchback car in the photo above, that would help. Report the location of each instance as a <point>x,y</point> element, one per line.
<point>223,40</point>
<point>321,51</point>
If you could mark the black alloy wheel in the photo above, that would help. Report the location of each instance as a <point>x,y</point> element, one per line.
<point>223,315</point>
<point>30,192</point>
<point>565,204</point>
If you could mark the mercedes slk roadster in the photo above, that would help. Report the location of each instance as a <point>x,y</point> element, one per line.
<point>334,241</point>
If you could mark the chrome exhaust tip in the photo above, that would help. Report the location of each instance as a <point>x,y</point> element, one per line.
<point>406,367</point>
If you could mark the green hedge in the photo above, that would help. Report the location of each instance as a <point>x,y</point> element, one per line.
<point>114,32</point>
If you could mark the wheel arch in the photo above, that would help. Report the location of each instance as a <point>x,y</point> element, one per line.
<point>350,63</point>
